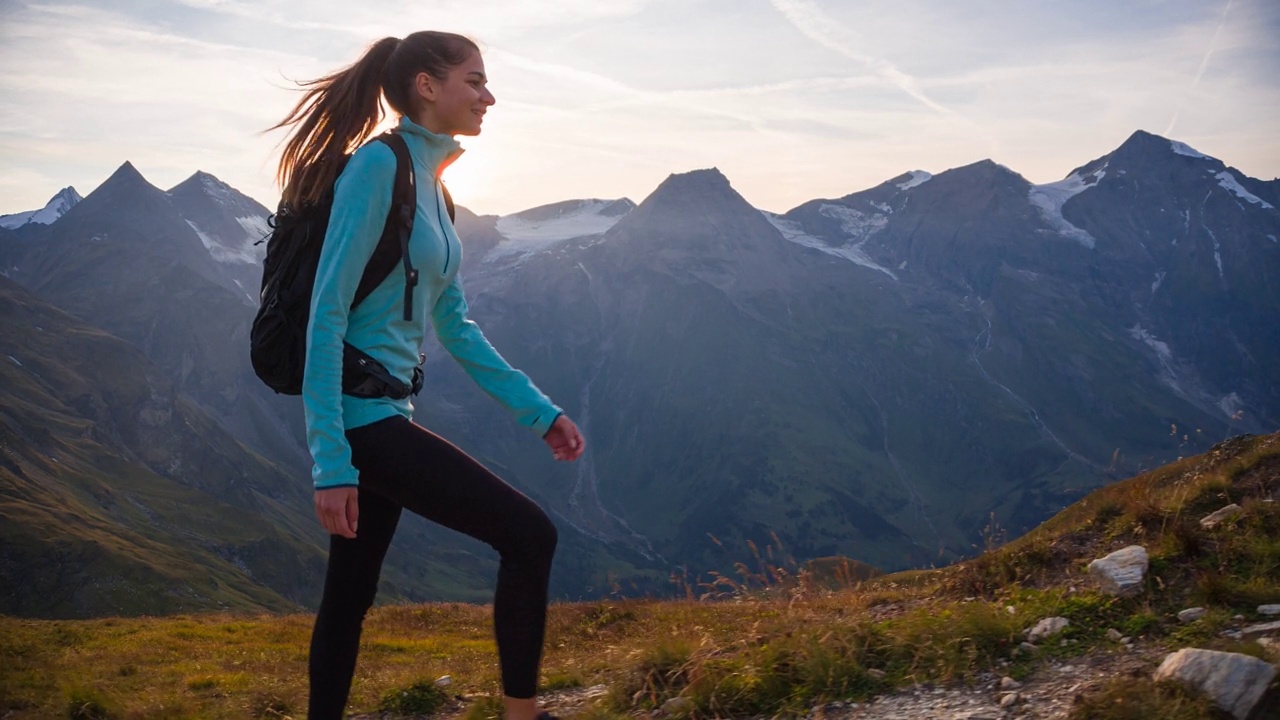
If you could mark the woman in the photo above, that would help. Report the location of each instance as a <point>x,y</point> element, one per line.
<point>371,460</point>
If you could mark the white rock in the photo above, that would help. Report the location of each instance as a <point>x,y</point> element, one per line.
<point>1008,700</point>
<point>1269,609</point>
<point>1215,519</point>
<point>1121,572</point>
<point>1253,631</point>
<point>1047,627</point>
<point>1008,683</point>
<point>1233,681</point>
<point>444,681</point>
<point>1114,635</point>
<point>1191,614</point>
<point>1028,647</point>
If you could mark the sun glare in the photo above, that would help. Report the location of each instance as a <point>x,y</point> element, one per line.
<point>467,176</point>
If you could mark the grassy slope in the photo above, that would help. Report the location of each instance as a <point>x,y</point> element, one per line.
<point>119,496</point>
<point>781,645</point>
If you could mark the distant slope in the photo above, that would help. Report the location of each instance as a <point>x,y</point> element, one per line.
<point>120,497</point>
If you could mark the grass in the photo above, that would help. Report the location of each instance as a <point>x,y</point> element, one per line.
<point>774,643</point>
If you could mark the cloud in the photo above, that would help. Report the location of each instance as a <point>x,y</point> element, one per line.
<point>1204,64</point>
<point>817,25</point>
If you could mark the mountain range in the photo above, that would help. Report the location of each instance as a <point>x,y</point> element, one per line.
<point>887,375</point>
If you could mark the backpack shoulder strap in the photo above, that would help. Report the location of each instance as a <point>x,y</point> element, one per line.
<point>393,246</point>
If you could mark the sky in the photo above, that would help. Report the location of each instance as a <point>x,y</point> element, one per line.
<point>791,99</point>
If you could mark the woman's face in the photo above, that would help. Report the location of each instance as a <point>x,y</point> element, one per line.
<point>456,104</point>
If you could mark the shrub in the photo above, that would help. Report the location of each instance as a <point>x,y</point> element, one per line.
<point>420,698</point>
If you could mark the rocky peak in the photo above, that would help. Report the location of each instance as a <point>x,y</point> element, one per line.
<point>125,176</point>
<point>687,203</point>
<point>203,186</point>
<point>57,206</point>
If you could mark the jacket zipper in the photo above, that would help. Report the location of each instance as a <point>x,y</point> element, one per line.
<point>444,232</point>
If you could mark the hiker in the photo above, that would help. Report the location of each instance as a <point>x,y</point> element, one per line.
<point>371,459</point>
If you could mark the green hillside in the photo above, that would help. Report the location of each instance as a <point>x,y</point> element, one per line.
<point>771,640</point>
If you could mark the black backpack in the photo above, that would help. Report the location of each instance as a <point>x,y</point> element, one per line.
<point>278,338</point>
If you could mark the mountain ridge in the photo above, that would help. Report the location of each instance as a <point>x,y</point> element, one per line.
<point>878,375</point>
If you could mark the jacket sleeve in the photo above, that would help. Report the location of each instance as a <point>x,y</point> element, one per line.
<point>361,201</point>
<point>463,340</point>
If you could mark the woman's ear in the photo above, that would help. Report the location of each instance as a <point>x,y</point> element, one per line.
<point>426,86</point>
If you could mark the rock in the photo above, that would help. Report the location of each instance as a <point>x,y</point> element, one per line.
<point>1008,683</point>
<point>1233,681</point>
<point>1047,628</point>
<point>1028,647</point>
<point>877,674</point>
<point>1254,631</point>
<point>1121,572</point>
<point>677,706</point>
<point>1014,611</point>
<point>1238,618</point>
<point>1008,700</point>
<point>1114,635</point>
<point>1269,609</point>
<point>1126,640</point>
<point>1215,519</point>
<point>444,681</point>
<point>1191,614</point>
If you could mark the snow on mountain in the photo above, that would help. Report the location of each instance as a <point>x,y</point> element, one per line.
<point>1164,355</point>
<point>54,209</point>
<point>918,177</point>
<point>863,226</point>
<point>541,228</point>
<point>1050,197</point>
<point>242,250</point>
<point>1185,149</point>
<point>1229,182</point>
<point>228,223</point>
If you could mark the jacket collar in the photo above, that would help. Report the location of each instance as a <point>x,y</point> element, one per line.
<point>436,151</point>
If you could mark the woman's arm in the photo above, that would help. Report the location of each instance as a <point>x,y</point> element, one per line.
<point>463,340</point>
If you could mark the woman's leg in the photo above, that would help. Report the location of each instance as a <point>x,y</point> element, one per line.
<point>350,584</point>
<point>428,475</point>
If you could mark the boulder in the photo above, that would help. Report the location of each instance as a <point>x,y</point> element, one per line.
<point>1261,630</point>
<point>1269,609</point>
<point>1046,628</point>
<point>1233,681</point>
<point>1191,614</point>
<point>1215,519</point>
<point>1121,572</point>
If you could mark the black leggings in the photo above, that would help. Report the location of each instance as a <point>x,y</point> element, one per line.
<point>403,465</point>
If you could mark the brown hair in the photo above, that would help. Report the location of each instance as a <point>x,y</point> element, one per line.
<point>339,111</point>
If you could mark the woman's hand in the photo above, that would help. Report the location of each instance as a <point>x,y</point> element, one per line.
<point>338,510</point>
<point>563,438</point>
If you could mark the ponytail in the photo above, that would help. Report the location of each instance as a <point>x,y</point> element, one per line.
<point>339,111</point>
<point>336,113</point>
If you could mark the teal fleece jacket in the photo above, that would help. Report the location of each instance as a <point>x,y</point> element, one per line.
<point>362,199</point>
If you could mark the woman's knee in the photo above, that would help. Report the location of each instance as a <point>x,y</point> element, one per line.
<point>533,539</point>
